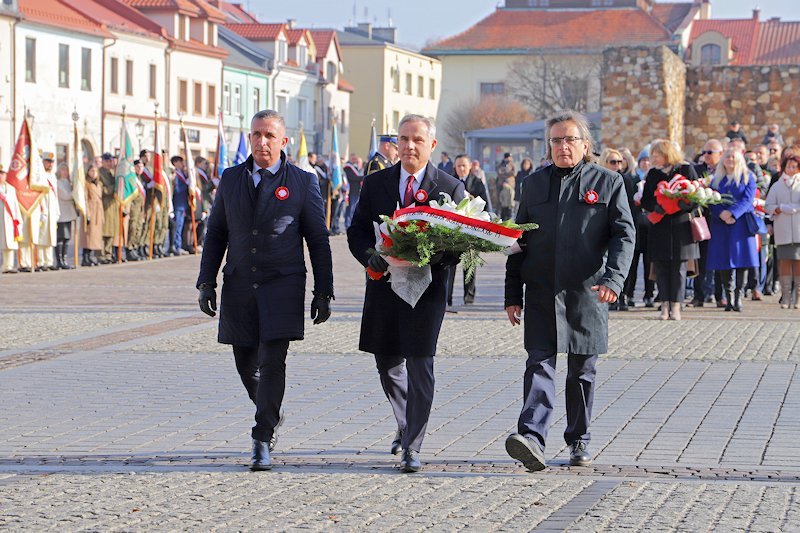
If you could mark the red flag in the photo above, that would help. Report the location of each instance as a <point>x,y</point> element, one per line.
<point>158,165</point>
<point>25,172</point>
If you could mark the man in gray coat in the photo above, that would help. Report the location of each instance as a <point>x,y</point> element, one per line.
<point>571,268</point>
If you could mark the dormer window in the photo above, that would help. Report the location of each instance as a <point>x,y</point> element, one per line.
<point>710,54</point>
<point>330,75</point>
<point>282,50</point>
<point>302,55</point>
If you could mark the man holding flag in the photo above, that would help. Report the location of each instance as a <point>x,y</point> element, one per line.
<point>127,189</point>
<point>10,224</point>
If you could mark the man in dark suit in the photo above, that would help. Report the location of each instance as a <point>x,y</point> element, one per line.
<point>571,268</point>
<point>403,338</point>
<point>263,210</point>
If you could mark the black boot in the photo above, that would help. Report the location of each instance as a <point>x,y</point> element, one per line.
<point>64,261</point>
<point>727,288</point>
<point>57,256</point>
<point>737,299</point>
<point>86,260</point>
<point>93,258</point>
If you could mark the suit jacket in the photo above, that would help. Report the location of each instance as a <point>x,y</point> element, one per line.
<point>263,291</point>
<point>671,239</point>
<point>389,326</point>
<point>578,244</point>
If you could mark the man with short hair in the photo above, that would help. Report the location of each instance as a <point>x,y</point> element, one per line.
<point>704,281</point>
<point>401,337</point>
<point>180,202</point>
<point>110,209</point>
<point>735,131</point>
<point>263,211</point>
<point>45,243</point>
<point>386,155</point>
<point>445,164</point>
<point>570,268</point>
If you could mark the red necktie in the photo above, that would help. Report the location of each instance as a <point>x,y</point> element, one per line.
<point>408,196</point>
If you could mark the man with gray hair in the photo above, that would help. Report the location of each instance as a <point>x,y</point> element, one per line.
<point>263,210</point>
<point>403,338</point>
<point>569,270</point>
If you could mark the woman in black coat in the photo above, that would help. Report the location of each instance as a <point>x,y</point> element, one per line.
<point>670,243</point>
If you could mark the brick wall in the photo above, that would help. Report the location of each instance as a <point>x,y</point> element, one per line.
<point>644,94</point>
<point>757,96</point>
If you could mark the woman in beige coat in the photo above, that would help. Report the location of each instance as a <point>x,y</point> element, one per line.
<point>93,231</point>
<point>783,204</point>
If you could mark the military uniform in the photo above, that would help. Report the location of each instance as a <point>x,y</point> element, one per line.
<point>110,213</point>
<point>378,162</point>
<point>136,228</point>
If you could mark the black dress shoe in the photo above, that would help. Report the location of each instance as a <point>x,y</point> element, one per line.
<point>622,305</point>
<point>10,271</point>
<point>410,462</point>
<point>397,445</point>
<point>695,303</point>
<point>578,454</point>
<point>526,451</point>
<point>260,460</point>
<point>648,302</point>
<point>25,269</point>
<point>273,441</point>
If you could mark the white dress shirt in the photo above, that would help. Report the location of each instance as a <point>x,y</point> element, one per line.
<point>404,174</point>
<point>257,177</point>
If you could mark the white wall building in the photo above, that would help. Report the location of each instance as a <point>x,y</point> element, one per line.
<point>8,17</point>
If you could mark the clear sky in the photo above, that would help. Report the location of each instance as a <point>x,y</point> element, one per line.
<point>420,21</point>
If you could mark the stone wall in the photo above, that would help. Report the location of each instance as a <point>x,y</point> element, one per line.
<point>644,95</point>
<point>756,96</point>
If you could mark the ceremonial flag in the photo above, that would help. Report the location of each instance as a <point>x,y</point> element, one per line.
<point>191,173</point>
<point>127,188</point>
<point>302,154</point>
<point>26,172</point>
<point>222,150</point>
<point>335,167</point>
<point>241,153</point>
<point>159,179</point>
<point>373,141</point>
<point>78,176</point>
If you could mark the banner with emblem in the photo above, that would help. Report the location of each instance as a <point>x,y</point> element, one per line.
<point>335,162</point>
<point>26,172</point>
<point>127,188</point>
<point>302,154</point>
<point>78,176</point>
<point>221,162</point>
<point>241,153</point>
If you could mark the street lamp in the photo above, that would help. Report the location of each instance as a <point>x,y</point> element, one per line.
<point>30,117</point>
<point>139,132</point>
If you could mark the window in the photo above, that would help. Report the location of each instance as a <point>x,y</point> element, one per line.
<point>86,69</point>
<point>237,100</point>
<point>302,110</point>
<point>280,102</point>
<point>128,77</point>
<point>420,86</point>
<point>226,98</point>
<point>396,79</point>
<point>30,60</point>
<point>331,71</point>
<point>153,82</point>
<point>114,74</point>
<point>432,89</point>
<point>302,55</point>
<point>342,123</point>
<point>183,22</point>
<point>211,94</point>
<point>197,108</point>
<point>488,89</point>
<point>395,120</point>
<point>710,54</point>
<point>63,65</point>
<point>408,83</point>
<point>183,96</point>
<point>256,100</point>
<point>281,45</point>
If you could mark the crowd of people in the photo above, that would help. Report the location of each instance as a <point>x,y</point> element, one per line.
<point>754,249</point>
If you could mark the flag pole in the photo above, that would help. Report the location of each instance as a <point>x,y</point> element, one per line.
<point>83,215</point>
<point>121,223</point>
<point>155,199</point>
<point>191,192</point>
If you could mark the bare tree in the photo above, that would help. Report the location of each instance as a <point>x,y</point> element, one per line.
<point>488,112</point>
<point>546,85</point>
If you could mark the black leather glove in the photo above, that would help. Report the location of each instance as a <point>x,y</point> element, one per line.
<point>378,263</point>
<point>207,299</point>
<point>658,209</point>
<point>320,308</point>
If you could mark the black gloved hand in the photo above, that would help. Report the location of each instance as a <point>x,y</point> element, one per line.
<point>660,210</point>
<point>685,205</point>
<point>445,259</point>
<point>378,263</point>
<point>207,300</point>
<point>320,308</point>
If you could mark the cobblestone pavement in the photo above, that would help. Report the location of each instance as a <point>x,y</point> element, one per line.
<point>122,412</point>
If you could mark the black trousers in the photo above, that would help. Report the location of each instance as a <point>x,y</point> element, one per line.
<point>671,280</point>
<point>408,384</point>
<point>699,290</point>
<point>539,395</point>
<point>262,369</point>
<point>469,286</point>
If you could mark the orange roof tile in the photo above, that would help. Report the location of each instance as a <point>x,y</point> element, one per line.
<point>294,36</point>
<point>672,14</point>
<point>743,34</point>
<point>236,13</point>
<point>211,12</point>
<point>543,29</point>
<point>60,14</point>
<point>116,15</point>
<point>258,32</point>
<point>185,6</point>
<point>778,43</point>
<point>322,41</point>
<point>345,86</point>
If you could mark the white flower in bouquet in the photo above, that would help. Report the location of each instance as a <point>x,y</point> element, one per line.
<point>468,207</point>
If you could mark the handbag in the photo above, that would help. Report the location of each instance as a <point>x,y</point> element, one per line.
<point>755,224</point>
<point>700,231</point>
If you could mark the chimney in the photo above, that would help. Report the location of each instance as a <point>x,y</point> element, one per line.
<point>705,9</point>
<point>365,29</point>
<point>290,23</point>
<point>756,12</point>
<point>387,34</point>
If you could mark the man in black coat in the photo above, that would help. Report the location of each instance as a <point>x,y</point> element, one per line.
<point>571,267</point>
<point>263,210</point>
<point>475,187</point>
<point>403,338</point>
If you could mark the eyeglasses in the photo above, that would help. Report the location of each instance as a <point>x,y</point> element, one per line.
<point>709,152</point>
<point>556,141</point>
<point>773,150</point>
<point>614,161</point>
